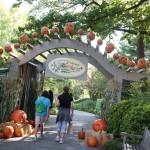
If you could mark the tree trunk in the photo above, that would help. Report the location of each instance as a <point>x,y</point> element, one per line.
<point>140,47</point>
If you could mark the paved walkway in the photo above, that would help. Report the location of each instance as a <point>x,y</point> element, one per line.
<point>71,142</point>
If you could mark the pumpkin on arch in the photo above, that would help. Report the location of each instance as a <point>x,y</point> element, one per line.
<point>69,28</point>
<point>142,63</point>
<point>91,35</point>
<point>109,47</point>
<point>8,48</point>
<point>123,60</point>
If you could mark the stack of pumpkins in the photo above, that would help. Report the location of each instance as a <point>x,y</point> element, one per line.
<point>97,135</point>
<point>18,125</point>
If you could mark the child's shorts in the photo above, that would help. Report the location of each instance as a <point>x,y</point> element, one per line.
<point>39,119</point>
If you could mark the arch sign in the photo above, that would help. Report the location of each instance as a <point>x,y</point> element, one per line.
<point>58,66</point>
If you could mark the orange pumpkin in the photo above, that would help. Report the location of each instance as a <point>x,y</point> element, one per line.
<point>19,132</point>
<point>81,134</point>
<point>45,30</point>
<point>8,131</point>
<point>55,29</point>
<point>109,47</point>
<point>18,116</point>
<point>99,125</point>
<point>35,35</point>
<point>69,28</point>
<point>131,63</point>
<point>142,63</point>
<point>1,51</point>
<point>91,35</point>
<point>99,41</point>
<point>104,140</point>
<point>123,60</point>
<point>80,32</point>
<point>92,141</point>
<point>8,48</point>
<point>116,56</point>
<point>24,39</point>
<point>16,45</point>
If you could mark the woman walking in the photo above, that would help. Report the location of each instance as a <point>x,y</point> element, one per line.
<point>65,105</point>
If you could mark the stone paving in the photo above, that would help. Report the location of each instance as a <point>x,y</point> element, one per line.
<point>71,142</point>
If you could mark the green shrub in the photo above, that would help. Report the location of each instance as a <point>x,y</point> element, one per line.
<point>128,116</point>
<point>113,145</point>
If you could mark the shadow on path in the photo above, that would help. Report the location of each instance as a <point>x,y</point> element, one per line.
<point>71,142</point>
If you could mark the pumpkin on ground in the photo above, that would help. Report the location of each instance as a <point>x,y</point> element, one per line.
<point>81,134</point>
<point>92,141</point>
<point>19,132</point>
<point>8,131</point>
<point>19,116</point>
<point>99,125</point>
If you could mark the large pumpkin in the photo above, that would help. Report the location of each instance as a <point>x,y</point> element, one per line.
<point>8,48</point>
<point>19,132</point>
<point>81,134</point>
<point>123,60</point>
<point>91,35</point>
<point>69,28</point>
<point>24,39</point>
<point>142,63</point>
<point>92,141</point>
<point>19,116</point>
<point>99,125</point>
<point>109,47</point>
<point>8,131</point>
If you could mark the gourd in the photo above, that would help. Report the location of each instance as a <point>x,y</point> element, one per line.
<point>81,134</point>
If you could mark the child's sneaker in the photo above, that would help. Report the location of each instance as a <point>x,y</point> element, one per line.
<point>61,141</point>
<point>57,139</point>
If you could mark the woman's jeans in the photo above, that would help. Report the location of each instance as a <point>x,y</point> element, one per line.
<point>62,126</point>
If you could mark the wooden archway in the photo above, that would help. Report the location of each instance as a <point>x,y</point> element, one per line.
<point>70,47</point>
